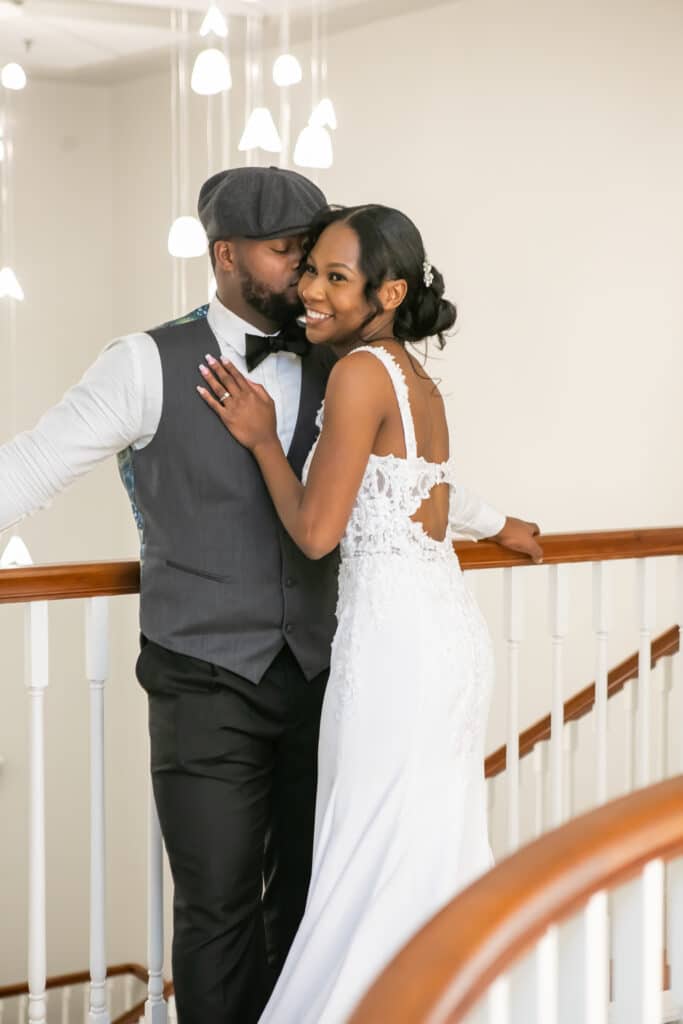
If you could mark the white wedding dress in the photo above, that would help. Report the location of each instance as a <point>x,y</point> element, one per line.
<point>401,806</point>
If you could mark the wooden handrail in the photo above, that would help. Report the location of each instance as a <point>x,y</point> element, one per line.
<point>443,972</point>
<point>58,581</point>
<point>581,703</point>
<point>76,978</point>
<point>54,582</point>
<point>559,548</point>
<point>130,1016</point>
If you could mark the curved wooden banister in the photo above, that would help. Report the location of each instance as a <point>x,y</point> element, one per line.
<point>57,581</point>
<point>443,972</point>
<point>581,703</point>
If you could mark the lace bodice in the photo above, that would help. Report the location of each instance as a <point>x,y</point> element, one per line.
<point>393,488</point>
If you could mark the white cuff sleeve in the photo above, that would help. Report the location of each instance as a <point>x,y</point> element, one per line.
<point>472,517</point>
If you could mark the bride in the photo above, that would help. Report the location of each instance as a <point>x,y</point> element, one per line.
<point>401,809</point>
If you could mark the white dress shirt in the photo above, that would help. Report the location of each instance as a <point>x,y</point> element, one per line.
<point>117,404</point>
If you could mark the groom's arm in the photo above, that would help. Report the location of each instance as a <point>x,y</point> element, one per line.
<point>117,403</point>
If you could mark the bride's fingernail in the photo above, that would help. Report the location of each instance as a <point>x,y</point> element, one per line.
<point>209,358</point>
<point>203,370</point>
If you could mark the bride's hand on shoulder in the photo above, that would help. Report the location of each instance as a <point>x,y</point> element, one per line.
<point>519,535</point>
<point>245,408</point>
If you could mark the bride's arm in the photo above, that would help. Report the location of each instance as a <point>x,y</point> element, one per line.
<point>315,516</point>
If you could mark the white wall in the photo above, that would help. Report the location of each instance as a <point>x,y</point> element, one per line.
<point>539,147</point>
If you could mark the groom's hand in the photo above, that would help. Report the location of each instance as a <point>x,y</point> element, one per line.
<point>518,535</point>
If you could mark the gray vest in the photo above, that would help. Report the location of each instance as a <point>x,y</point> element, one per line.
<point>221,580</point>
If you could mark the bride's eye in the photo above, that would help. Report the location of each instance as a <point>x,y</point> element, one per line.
<point>309,268</point>
<point>335,276</point>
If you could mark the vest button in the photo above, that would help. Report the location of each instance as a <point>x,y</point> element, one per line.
<point>289,627</point>
<point>289,582</point>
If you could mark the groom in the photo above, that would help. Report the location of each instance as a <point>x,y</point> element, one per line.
<point>236,623</point>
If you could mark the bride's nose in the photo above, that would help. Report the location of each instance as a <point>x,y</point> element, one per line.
<point>311,287</point>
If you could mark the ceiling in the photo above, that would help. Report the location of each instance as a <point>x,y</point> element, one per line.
<point>105,40</point>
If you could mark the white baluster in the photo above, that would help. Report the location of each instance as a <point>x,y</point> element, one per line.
<point>66,1004</point>
<point>22,1010</point>
<point>570,744</point>
<point>652,949</point>
<point>37,681</point>
<point>646,596</point>
<point>663,684</point>
<point>540,761</point>
<point>630,735</point>
<point>513,634</point>
<point>172,1011</point>
<point>97,670</point>
<point>675,927</point>
<point>499,998</point>
<point>626,926</point>
<point>679,659</point>
<point>547,980</point>
<point>600,628</point>
<point>597,959</point>
<point>128,982</point>
<point>559,608</point>
<point>155,1005</point>
<point>2,1011</point>
<point>490,805</point>
<point>597,910</point>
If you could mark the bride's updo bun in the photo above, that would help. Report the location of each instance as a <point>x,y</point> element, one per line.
<point>391,248</point>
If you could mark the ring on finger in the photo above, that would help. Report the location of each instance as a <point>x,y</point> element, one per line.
<point>225,395</point>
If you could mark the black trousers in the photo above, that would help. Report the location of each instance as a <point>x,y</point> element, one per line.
<point>234,775</point>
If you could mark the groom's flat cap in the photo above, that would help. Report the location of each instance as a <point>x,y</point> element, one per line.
<point>257,202</point>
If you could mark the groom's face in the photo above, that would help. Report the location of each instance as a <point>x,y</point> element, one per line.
<point>269,272</point>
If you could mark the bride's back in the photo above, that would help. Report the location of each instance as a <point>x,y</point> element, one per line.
<point>431,435</point>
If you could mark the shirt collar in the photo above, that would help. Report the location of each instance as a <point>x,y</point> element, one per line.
<point>229,328</point>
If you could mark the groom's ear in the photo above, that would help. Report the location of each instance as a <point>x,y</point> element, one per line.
<point>224,253</point>
<point>392,293</point>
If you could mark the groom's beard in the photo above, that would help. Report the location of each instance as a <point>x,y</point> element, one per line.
<point>272,305</point>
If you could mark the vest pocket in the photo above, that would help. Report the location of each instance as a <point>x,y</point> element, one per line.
<point>215,577</point>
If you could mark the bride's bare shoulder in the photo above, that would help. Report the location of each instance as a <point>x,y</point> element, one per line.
<point>358,378</point>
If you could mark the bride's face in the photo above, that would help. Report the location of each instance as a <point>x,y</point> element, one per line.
<point>332,287</point>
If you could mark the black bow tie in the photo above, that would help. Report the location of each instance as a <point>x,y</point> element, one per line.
<point>291,339</point>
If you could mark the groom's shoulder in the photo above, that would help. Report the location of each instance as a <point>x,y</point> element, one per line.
<point>197,317</point>
<point>323,357</point>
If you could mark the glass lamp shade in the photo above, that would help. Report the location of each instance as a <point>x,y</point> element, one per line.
<point>260,132</point>
<point>324,116</point>
<point>287,70</point>
<point>9,285</point>
<point>211,73</point>
<point>16,555</point>
<point>313,148</point>
<point>13,76</point>
<point>186,238</point>
<point>214,23</point>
